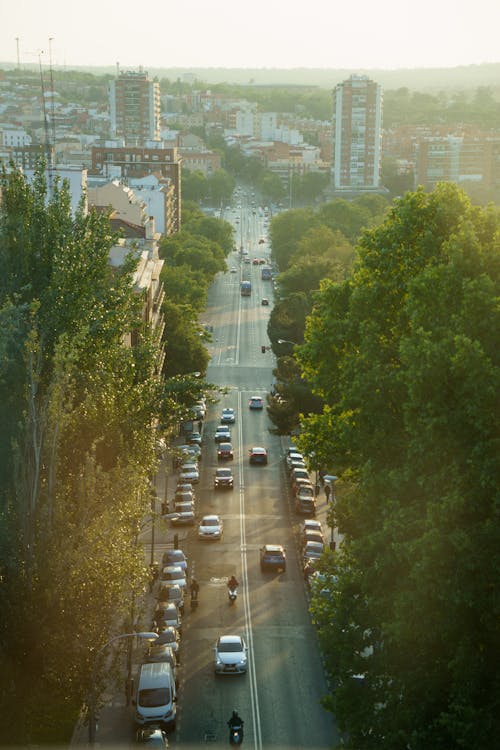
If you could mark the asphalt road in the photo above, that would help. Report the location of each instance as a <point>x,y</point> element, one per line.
<point>279,697</point>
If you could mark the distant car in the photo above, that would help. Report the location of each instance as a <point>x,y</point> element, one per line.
<point>189,473</point>
<point>258,455</point>
<point>265,301</point>
<point>293,456</point>
<point>230,655</point>
<point>256,402</point>
<point>156,739</point>
<point>255,262</point>
<point>272,557</point>
<point>247,261</point>
<point>234,270</point>
<point>175,557</point>
<point>211,527</point>
<point>167,613</point>
<point>173,574</point>
<point>312,551</point>
<point>173,594</point>
<point>262,241</point>
<point>183,517</point>
<point>227,416</point>
<point>225,451</point>
<point>222,434</point>
<point>223,478</point>
<point>262,261</point>
<point>182,454</point>
<point>296,464</point>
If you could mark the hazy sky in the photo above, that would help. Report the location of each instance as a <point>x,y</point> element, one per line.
<point>252,33</point>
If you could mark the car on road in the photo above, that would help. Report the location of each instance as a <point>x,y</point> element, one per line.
<point>184,496</point>
<point>162,652</point>
<point>189,473</point>
<point>292,456</point>
<point>258,455</point>
<point>175,557</point>
<point>173,574</point>
<point>311,535</point>
<point>172,593</point>
<point>264,302</point>
<point>230,655</point>
<point>272,557</point>
<point>227,415</point>
<point>296,464</point>
<point>225,451</point>
<point>183,516</point>
<point>304,486</point>
<point>222,434</point>
<point>223,478</point>
<point>255,262</point>
<point>211,527</point>
<point>169,636</point>
<point>312,551</point>
<point>256,402</point>
<point>155,739</point>
<point>167,613</point>
<point>234,269</point>
<point>194,438</point>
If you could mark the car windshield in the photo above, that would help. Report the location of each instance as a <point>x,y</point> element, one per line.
<point>210,522</point>
<point>223,472</point>
<point>228,648</point>
<point>154,697</point>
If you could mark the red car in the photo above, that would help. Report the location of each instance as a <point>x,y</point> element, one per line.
<point>225,451</point>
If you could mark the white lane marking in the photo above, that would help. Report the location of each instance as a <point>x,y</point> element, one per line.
<point>254,697</point>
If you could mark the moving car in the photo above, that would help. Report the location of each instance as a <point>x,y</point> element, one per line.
<point>223,478</point>
<point>225,451</point>
<point>256,402</point>
<point>265,301</point>
<point>222,434</point>
<point>230,655</point>
<point>211,527</point>
<point>272,557</point>
<point>227,415</point>
<point>258,455</point>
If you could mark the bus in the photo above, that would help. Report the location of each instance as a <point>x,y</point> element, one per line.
<point>246,288</point>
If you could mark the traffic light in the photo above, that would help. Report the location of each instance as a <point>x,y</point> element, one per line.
<point>263,349</point>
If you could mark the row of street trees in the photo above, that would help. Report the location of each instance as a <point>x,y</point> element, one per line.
<point>80,414</point>
<point>404,354</point>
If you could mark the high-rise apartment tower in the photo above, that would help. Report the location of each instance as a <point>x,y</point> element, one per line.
<point>135,108</point>
<point>357,126</point>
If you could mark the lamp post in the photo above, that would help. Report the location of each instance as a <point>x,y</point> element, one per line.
<point>286,341</point>
<point>92,701</point>
<point>330,480</point>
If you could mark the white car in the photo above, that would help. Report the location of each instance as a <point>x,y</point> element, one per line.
<point>230,655</point>
<point>173,575</point>
<point>211,527</point>
<point>189,473</point>
<point>227,416</point>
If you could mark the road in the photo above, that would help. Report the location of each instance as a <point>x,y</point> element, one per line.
<point>279,697</point>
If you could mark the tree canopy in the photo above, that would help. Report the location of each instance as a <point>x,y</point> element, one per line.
<point>404,353</point>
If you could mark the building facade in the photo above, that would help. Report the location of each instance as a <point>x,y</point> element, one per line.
<point>134,103</point>
<point>357,130</point>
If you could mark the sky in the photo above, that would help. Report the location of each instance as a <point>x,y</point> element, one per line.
<point>378,34</point>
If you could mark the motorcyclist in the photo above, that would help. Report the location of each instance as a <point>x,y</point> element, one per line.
<point>232,584</point>
<point>235,720</point>
<point>194,588</point>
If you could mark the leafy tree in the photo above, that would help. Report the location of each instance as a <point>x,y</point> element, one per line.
<point>195,186</point>
<point>404,355</point>
<point>185,351</point>
<point>221,186</point>
<point>286,230</point>
<point>272,187</point>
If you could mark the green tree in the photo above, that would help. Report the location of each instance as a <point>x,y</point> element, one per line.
<point>272,187</point>
<point>287,229</point>
<point>195,186</point>
<point>221,186</point>
<point>404,355</point>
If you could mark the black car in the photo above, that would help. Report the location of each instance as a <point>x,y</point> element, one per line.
<point>223,478</point>
<point>272,557</point>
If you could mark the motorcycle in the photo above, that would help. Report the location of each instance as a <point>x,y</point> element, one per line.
<point>236,733</point>
<point>233,595</point>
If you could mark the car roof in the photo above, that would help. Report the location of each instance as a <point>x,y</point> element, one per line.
<point>273,548</point>
<point>230,638</point>
<point>223,470</point>
<point>258,449</point>
<point>224,445</point>
<point>212,517</point>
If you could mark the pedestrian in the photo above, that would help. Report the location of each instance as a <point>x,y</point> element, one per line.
<point>328,490</point>
<point>200,425</point>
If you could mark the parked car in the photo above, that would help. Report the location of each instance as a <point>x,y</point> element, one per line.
<point>312,536</point>
<point>264,302</point>
<point>175,557</point>
<point>162,652</point>
<point>155,739</point>
<point>211,527</point>
<point>189,473</point>
<point>223,478</point>
<point>222,434</point>
<point>173,574</point>
<point>227,416</point>
<point>184,496</point>
<point>256,402</point>
<point>312,551</point>
<point>172,593</point>
<point>183,517</point>
<point>230,655</point>
<point>167,613</point>
<point>225,451</point>
<point>272,557</point>
<point>194,438</point>
<point>258,455</point>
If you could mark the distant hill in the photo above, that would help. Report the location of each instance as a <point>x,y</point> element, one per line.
<point>422,79</point>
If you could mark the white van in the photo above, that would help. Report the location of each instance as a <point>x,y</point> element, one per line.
<point>156,697</point>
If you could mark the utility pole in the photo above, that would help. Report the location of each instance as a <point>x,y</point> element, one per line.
<point>18,59</point>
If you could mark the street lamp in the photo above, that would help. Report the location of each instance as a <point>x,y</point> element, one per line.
<point>329,480</point>
<point>286,341</point>
<point>145,635</point>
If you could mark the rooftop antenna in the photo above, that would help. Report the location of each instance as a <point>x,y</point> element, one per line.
<point>18,59</point>
<point>117,69</point>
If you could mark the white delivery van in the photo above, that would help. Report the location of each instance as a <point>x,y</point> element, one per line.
<point>156,697</point>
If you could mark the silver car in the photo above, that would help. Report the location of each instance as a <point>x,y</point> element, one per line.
<point>211,527</point>
<point>230,655</point>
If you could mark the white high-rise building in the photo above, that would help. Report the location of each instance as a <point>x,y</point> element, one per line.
<point>357,130</point>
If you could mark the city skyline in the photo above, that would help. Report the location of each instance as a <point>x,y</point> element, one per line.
<point>265,34</point>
